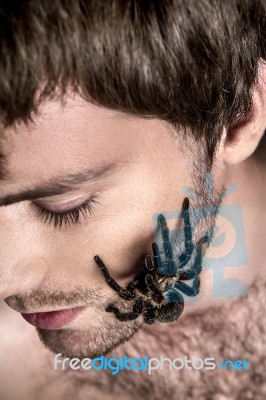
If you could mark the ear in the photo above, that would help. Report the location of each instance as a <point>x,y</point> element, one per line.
<point>244,139</point>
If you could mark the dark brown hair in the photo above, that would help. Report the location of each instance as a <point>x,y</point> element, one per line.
<point>192,63</point>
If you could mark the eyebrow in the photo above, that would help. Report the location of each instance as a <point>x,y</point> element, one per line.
<point>60,184</point>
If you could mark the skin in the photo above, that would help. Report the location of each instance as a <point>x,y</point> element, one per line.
<point>38,261</point>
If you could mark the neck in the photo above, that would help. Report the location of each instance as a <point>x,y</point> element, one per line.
<point>239,253</point>
<point>250,177</point>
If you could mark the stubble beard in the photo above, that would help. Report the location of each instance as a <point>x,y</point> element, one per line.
<point>90,342</point>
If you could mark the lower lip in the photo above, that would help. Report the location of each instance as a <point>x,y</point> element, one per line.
<point>52,319</point>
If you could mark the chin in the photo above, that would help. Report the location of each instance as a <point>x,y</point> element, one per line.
<point>89,342</point>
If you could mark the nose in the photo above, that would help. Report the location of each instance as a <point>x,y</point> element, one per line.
<point>20,276</point>
<point>22,256</point>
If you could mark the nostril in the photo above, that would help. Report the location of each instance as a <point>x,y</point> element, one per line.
<point>15,303</point>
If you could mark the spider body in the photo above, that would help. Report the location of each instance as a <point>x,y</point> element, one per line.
<point>154,295</point>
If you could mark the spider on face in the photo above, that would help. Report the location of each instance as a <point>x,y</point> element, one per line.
<point>155,295</point>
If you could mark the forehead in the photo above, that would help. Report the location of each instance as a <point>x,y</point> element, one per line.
<point>65,137</point>
<point>61,136</point>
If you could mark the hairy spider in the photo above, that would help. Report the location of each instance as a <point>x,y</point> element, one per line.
<point>154,295</point>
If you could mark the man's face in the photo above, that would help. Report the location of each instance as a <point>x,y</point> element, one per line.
<point>48,267</point>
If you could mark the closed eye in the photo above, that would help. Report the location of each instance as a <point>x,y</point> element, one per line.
<point>69,217</point>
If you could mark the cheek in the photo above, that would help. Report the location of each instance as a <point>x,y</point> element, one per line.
<point>123,232</point>
<point>120,231</point>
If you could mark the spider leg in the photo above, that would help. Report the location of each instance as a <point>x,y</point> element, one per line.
<point>129,316</point>
<point>171,268</point>
<point>149,280</point>
<point>156,256</point>
<point>184,258</point>
<point>148,264</point>
<point>189,290</point>
<point>192,272</point>
<point>196,267</point>
<point>126,294</point>
<point>149,313</point>
<point>131,287</point>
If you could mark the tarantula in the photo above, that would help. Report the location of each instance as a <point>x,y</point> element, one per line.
<point>157,296</point>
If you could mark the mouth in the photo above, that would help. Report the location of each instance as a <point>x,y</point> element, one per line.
<point>52,319</point>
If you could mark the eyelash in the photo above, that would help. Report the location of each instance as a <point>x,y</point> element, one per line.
<point>70,217</point>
